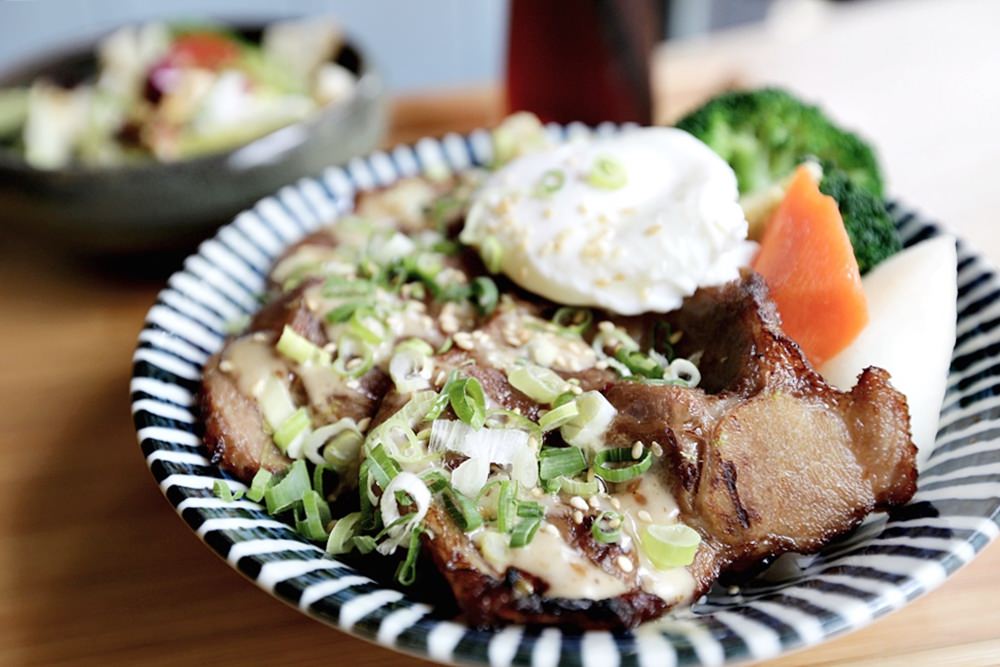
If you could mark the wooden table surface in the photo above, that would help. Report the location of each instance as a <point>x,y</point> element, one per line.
<point>95,567</point>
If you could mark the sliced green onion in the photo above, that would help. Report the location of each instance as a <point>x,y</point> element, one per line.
<point>442,399</point>
<point>343,312</point>
<point>419,497</point>
<point>550,182</point>
<point>496,445</point>
<point>607,173</point>
<point>685,371</point>
<point>462,510</point>
<point>500,418</point>
<point>289,491</point>
<point>295,428</point>
<point>366,327</point>
<point>530,509</point>
<point>354,357</point>
<point>403,421</point>
<point>524,532</point>
<point>275,402</point>
<point>437,482</point>
<point>406,573</point>
<point>365,544</point>
<point>366,496</point>
<point>506,506</point>
<point>537,382</point>
<point>670,546</point>
<point>381,466</point>
<point>300,349</point>
<point>575,487</point>
<point>410,367</point>
<point>607,527</point>
<point>561,462</point>
<point>261,482</point>
<point>587,428</point>
<point>317,516</point>
<point>604,459</point>
<point>491,253</point>
<point>573,320</point>
<point>468,401</point>
<point>341,287</point>
<point>556,417</point>
<point>470,476</point>
<point>485,295</point>
<point>222,491</point>
<point>340,541</point>
<point>639,363</point>
<point>340,444</point>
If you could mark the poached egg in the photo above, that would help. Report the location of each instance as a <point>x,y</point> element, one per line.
<point>667,222</point>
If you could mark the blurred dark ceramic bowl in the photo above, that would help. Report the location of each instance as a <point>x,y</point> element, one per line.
<point>153,205</point>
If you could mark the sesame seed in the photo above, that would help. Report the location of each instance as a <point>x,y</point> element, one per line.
<point>551,530</point>
<point>576,390</point>
<point>624,563</point>
<point>578,517</point>
<point>579,503</point>
<point>733,590</point>
<point>601,365</point>
<point>656,448</point>
<point>594,502</point>
<point>652,230</point>
<point>463,339</point>
<point>260,336</point>
<point>581,209</point>
<point>226,366</point>
<point>617,504</point>
<point>614,523</point>
<point>644,516</point>
<point>439,378</point>
<point>637,449</point>
<point>606,326</point>
<point>536,492</point>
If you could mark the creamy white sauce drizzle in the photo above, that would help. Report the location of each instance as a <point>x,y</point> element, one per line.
<point>251,360</point>
<point>568,572</point>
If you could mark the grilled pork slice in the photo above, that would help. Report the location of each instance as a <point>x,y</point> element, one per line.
<point>773,460</point>
<point>235,432</point>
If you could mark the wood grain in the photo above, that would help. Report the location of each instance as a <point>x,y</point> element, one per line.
<point>95,567</point>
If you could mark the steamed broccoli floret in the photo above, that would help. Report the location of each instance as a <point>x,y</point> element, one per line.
<point>872,232</point>
<point>764,134</point>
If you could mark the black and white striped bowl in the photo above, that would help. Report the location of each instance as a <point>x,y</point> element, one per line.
<point>884,564</point>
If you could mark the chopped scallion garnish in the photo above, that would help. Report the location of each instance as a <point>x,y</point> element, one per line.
<point>604,460</point>
<point>406,573</point>
<point>294,429</point>
<point>574,487</point>
<point>537,382</point>
<point>556,417</point>
<point>485,294</point>
<point>550,182</point>
<point>340,541</point>
<point>670,546</point>
<point>530,509</point>
<point>639,363</point>
<point>354,356</point>
<point>316,516</point>
<point>587,429</point>
<point>289,491</point>
<point>222,491</point>
<point>607,527</point>
<point>607,173</point>
<point>381,466</point>
<point>261,482</point>
<point>561,462</point>
<point>506,506</point>
<point>573,320</point>
<point>300,349</point>
<point>491,253</point>
<point>461,509</point>
<point>468,401</point>
<point>524,532</point>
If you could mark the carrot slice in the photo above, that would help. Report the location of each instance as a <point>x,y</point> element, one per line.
<point>808,263</point>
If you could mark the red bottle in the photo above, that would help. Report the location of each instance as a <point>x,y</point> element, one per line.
<point>585,60</point>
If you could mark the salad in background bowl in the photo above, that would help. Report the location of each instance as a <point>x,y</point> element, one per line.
<point>157,132</point>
